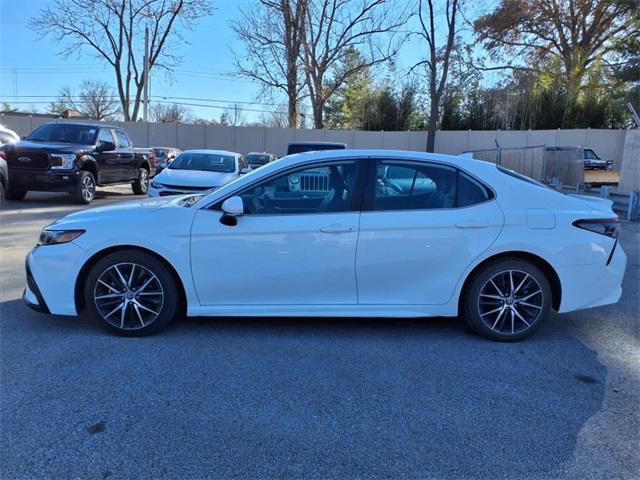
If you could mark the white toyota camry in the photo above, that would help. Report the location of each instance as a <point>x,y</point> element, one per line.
<point>358,233</point>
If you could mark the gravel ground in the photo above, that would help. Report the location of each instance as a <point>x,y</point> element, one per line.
<point>312,398</point>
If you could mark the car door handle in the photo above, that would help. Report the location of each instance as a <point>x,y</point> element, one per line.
<point>471,224</point>
<point>336,229</point>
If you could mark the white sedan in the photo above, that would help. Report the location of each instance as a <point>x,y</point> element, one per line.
<point>197,171</point>
<point>338,233</point>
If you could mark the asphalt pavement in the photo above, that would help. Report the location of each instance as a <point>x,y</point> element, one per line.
<point>311,398</point>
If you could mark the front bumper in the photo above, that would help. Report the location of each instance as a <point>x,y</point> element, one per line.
<point>52,271</point>
<point>44,180</point>
<point>166,191</point>
<point>31,295</point>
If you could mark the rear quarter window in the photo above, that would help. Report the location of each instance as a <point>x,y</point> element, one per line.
<point>470,191</point>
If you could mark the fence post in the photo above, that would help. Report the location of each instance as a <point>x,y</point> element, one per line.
<point>632,211</point>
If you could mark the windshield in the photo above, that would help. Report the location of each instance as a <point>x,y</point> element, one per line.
<point>161,153</point>
<point>65,133</point>
<point>208,162</point>
<point>312,147</point>
<point>257,159</point>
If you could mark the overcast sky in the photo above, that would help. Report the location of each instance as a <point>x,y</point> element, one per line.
<point>31,67</point>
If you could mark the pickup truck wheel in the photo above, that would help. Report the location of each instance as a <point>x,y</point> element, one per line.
<point>141,185</point>
<point>15,194</point>
<point>85,190</point>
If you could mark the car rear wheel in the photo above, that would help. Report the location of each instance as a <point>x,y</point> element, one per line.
<point>85,190</point>
<point>13,194</point>
<point>141,185</point>
<point>507,300</point>
<point>132,293</point>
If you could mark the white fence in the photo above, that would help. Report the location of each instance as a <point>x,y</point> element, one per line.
<point>609,144</point>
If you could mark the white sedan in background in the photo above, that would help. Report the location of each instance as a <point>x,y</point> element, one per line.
<point>197,171</point>
<point>338,233</point>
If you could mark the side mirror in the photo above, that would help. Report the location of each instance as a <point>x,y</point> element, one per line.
<point>244,170</point>
<point>106,147</point>
<point>233,206</point>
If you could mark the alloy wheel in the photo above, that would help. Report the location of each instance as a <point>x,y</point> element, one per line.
<point>129,296</point>
<point>510,302</point>
<point>144,180</point>
<point>88,188</point>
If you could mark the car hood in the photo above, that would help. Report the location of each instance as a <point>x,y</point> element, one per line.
<point>122,210</point>
<point>51,146</point>
<point>193,178</point>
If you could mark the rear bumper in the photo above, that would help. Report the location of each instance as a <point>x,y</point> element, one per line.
<point>42,180</point>
<point>587,286</point>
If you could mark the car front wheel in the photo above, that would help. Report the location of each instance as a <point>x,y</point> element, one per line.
<point>132,293</point>
<point>85,190</point>
<point>507,300</point>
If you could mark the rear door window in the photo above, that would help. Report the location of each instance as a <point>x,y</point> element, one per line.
<point>123,140</point>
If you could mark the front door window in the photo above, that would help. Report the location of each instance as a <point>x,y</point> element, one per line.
<point>318,189</point>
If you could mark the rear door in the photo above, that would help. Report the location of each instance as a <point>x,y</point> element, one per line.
<point>422,225</point>
<point>127,165</point>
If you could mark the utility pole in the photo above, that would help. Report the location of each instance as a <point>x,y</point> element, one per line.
<point>145,102</point>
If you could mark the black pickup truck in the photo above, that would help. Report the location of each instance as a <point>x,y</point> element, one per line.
<point>75,158</point>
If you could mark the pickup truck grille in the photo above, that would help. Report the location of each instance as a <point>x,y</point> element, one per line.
<point>27,159</point>
<point>314,183</point>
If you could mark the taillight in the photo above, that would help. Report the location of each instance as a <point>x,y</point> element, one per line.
<point>609,227</point>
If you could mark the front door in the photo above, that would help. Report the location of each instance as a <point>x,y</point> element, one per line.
<point>108,163</point>
<point>424,224</point>
<point>295,244</point>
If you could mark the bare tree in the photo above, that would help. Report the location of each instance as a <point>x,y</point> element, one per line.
<point>334,29</point>
<point>438,56</point>
<point>579,32</point>
<point>233,116</point>
<point>96,100</point>
<point>272,32</point>
<point>114,31</point>
<point>170,113</point>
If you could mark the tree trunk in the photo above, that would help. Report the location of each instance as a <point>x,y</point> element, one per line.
<point>317,106</point>
<point>433,124</point>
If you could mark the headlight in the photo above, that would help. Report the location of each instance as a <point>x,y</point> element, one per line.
<point>63,161</point>
<point>156,185</point>
<point>55,237</point>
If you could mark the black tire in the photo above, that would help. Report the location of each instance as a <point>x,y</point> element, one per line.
<point>140,186</point>
<point>1,193</point>
<point>85,190</point>
<point>12,194</point>
<point>133,321</point>
<point>495,309</point>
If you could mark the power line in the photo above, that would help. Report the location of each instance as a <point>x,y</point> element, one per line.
<point>157,97</point>
<point>164,102</point>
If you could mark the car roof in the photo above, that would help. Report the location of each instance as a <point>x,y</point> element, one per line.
<point>317,143</point>
<point>464,162</point>
<point>87,124</point>
<point>211,152</point>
